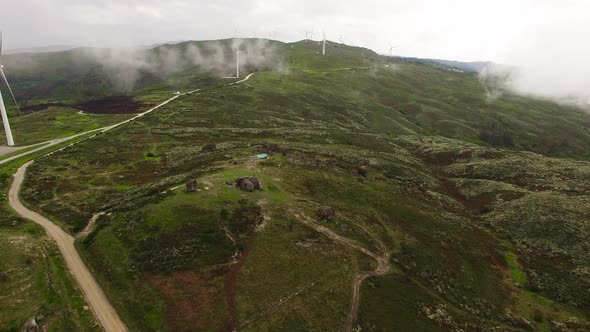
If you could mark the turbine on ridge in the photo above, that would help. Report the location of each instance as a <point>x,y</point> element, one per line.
<point>324,44</point>
<point>7,130</point>
<point>238,52</point>
<point>391,49</point>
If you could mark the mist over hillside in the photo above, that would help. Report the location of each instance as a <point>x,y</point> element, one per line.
<point>85,72</point>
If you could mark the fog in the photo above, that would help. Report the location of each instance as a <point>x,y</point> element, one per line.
<point>552,61</point>
<point>545,40</point>
<point>125,66</point>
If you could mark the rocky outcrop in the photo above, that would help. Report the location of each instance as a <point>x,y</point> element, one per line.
<point>30,326</point>
<point>326,213</point>
<point>248,183</point>
<point>362,171</point>
<point>209,148</point>
<point>192,186</point>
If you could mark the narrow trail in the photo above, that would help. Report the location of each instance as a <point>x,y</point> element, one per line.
<point>104,312</point>
<point>90,226</point>
<point>383,265</point>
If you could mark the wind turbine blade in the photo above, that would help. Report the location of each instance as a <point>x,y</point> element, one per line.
<point>9,89</point>
<point>0,42</point>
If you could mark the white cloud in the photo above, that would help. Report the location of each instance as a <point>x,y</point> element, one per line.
<point>544,38</point>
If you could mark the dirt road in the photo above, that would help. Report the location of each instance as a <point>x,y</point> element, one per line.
<point>382,268</point>
<point>104,312</point>
<point>40,146</point>
<point>383,265</point>
<point>99,304</point>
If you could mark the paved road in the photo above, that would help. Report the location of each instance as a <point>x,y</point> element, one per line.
<point>100,305</point>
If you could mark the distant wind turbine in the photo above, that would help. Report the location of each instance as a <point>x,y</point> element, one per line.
<point>7,130</point>
<point>324,44</point>
<point>391,49</point>
<point>309,33</point>
<point>238,52</point>
<point>341,39</point>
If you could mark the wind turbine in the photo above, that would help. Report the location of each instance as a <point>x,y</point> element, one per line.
<point>238,52</point>
<point>310,33</point>
<point>391,49</point>
<point>9,138</point>
<point>324,44</point>
<point>341,39</point>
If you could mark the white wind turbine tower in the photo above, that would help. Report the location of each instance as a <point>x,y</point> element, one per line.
<point>324,44</point>
<point>308,33</point>
<point>9,138</point>
<point>238,52</point>
<point>391,49</point>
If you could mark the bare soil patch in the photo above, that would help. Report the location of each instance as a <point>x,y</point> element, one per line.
<point>191,299</point>
<point>111,105</point>
<point>230,285</point>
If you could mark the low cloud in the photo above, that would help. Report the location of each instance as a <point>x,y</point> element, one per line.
<point>550,58</point>
<point>125,67</point>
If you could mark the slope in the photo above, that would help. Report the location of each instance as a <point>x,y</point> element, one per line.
<point>363,137</point>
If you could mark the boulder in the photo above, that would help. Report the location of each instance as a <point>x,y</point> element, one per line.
<point>246,185</point>
<point>192,186</point>
<point>326,213</point>
<point>249,183</point>
<point>209,148</point>
<point>257,184</point>
<point>30,326</point>
<point>362,171</point>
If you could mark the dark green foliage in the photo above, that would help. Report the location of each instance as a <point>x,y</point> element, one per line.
<point>414,160</point>
<point>197,242</point>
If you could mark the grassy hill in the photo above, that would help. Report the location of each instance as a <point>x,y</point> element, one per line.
<point>459,195</point>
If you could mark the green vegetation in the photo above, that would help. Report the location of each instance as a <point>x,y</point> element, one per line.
<point>34,283</point>
<point>483,228</point>
<point>57,123</point>
<point>515,270</point>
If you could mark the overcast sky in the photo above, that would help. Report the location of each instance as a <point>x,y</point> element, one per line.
<point>451,29</point>
<point>534,33</point>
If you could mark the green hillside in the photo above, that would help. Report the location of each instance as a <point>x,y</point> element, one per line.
<point>452,210</point>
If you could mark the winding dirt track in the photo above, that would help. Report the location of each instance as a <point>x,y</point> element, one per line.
<point>98,302</point>
<point>383,265</point>
<point>103,310</point>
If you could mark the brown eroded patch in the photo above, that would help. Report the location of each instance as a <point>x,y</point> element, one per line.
<point>230,286</point>
<point>111,105</point>
<point>192,300</point>
<point>498,263</point>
